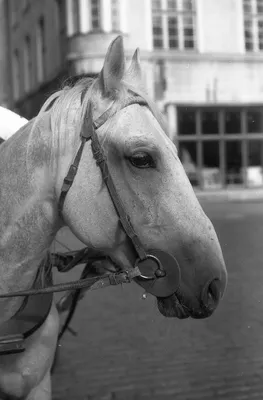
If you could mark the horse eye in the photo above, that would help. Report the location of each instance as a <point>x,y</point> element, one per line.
<point>142,160</point>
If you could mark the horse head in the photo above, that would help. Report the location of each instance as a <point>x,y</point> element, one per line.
<point>150,182</point>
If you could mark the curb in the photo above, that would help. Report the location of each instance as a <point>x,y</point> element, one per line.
<point>230,195</point>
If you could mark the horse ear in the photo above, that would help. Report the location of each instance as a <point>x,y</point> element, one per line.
<point>135,66</point>
<point>134,72</point>
<point>113,68</point>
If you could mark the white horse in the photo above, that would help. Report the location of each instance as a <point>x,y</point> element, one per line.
<point>154,191</point>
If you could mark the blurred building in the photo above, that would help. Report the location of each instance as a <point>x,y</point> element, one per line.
<point>202,62</point>
<point>5,94</point>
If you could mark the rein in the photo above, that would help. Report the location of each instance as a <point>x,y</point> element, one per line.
<point>90,283</point>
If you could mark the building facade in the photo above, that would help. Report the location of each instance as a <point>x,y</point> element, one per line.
<point>5,93</point>
<point>202,62</point>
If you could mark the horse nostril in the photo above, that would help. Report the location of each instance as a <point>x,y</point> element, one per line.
<point>211,294</point>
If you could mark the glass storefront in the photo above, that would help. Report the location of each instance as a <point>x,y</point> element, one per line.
<point>221,147</point>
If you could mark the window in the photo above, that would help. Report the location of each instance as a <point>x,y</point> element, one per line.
<point>188,157</point>
<point>60,9</point>
<point>41,49</point>
<point>115,15</point>
<point>25,4</point>
<point>16,74</point>
<point>221,146</point>
<point>75,16</point>
<point>254,121</point>
<point>210,122</point>
<point>159,79</point>
<point>232,121</point>
<point>27,64</point>
<point>13,12</point>
<point>95,14</point>
<point>174,24</point>
<point>186,121</point>
<point>253,25</point>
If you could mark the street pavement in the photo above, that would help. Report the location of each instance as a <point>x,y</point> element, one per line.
<point>126,350</point>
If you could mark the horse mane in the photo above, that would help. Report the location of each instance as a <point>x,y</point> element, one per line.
<point>67,108</point>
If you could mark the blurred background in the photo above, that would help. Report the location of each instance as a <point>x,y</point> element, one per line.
<point>202,62</point>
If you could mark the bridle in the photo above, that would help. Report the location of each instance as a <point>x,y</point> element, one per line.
<point>158,283</point>
<point>148,271</point>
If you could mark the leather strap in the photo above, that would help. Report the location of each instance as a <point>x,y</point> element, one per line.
<point>88,133</point>
<point>100,158</point>
<point>73,169</point>
<point>90,283</point>
<point>26,321</point>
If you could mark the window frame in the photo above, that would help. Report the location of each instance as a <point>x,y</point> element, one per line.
<point>16,73</point>
<point>253,18</point>
<point>41,49</point>
<point>97,6</point>
<point>27,63</point>
<point>13,13</point>
<point>178,16</point>
<point>25,5</point>
<point>115,15</point>
<point>75,12</point>
<point>244,137</point>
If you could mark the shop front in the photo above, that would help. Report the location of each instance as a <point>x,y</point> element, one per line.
<point>221,147</point>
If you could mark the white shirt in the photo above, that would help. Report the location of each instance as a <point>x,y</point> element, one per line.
<point>10,122</point>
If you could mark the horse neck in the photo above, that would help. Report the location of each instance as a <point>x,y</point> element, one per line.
<point>28,216</point>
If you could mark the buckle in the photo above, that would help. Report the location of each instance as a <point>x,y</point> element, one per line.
<point>68,180</point>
